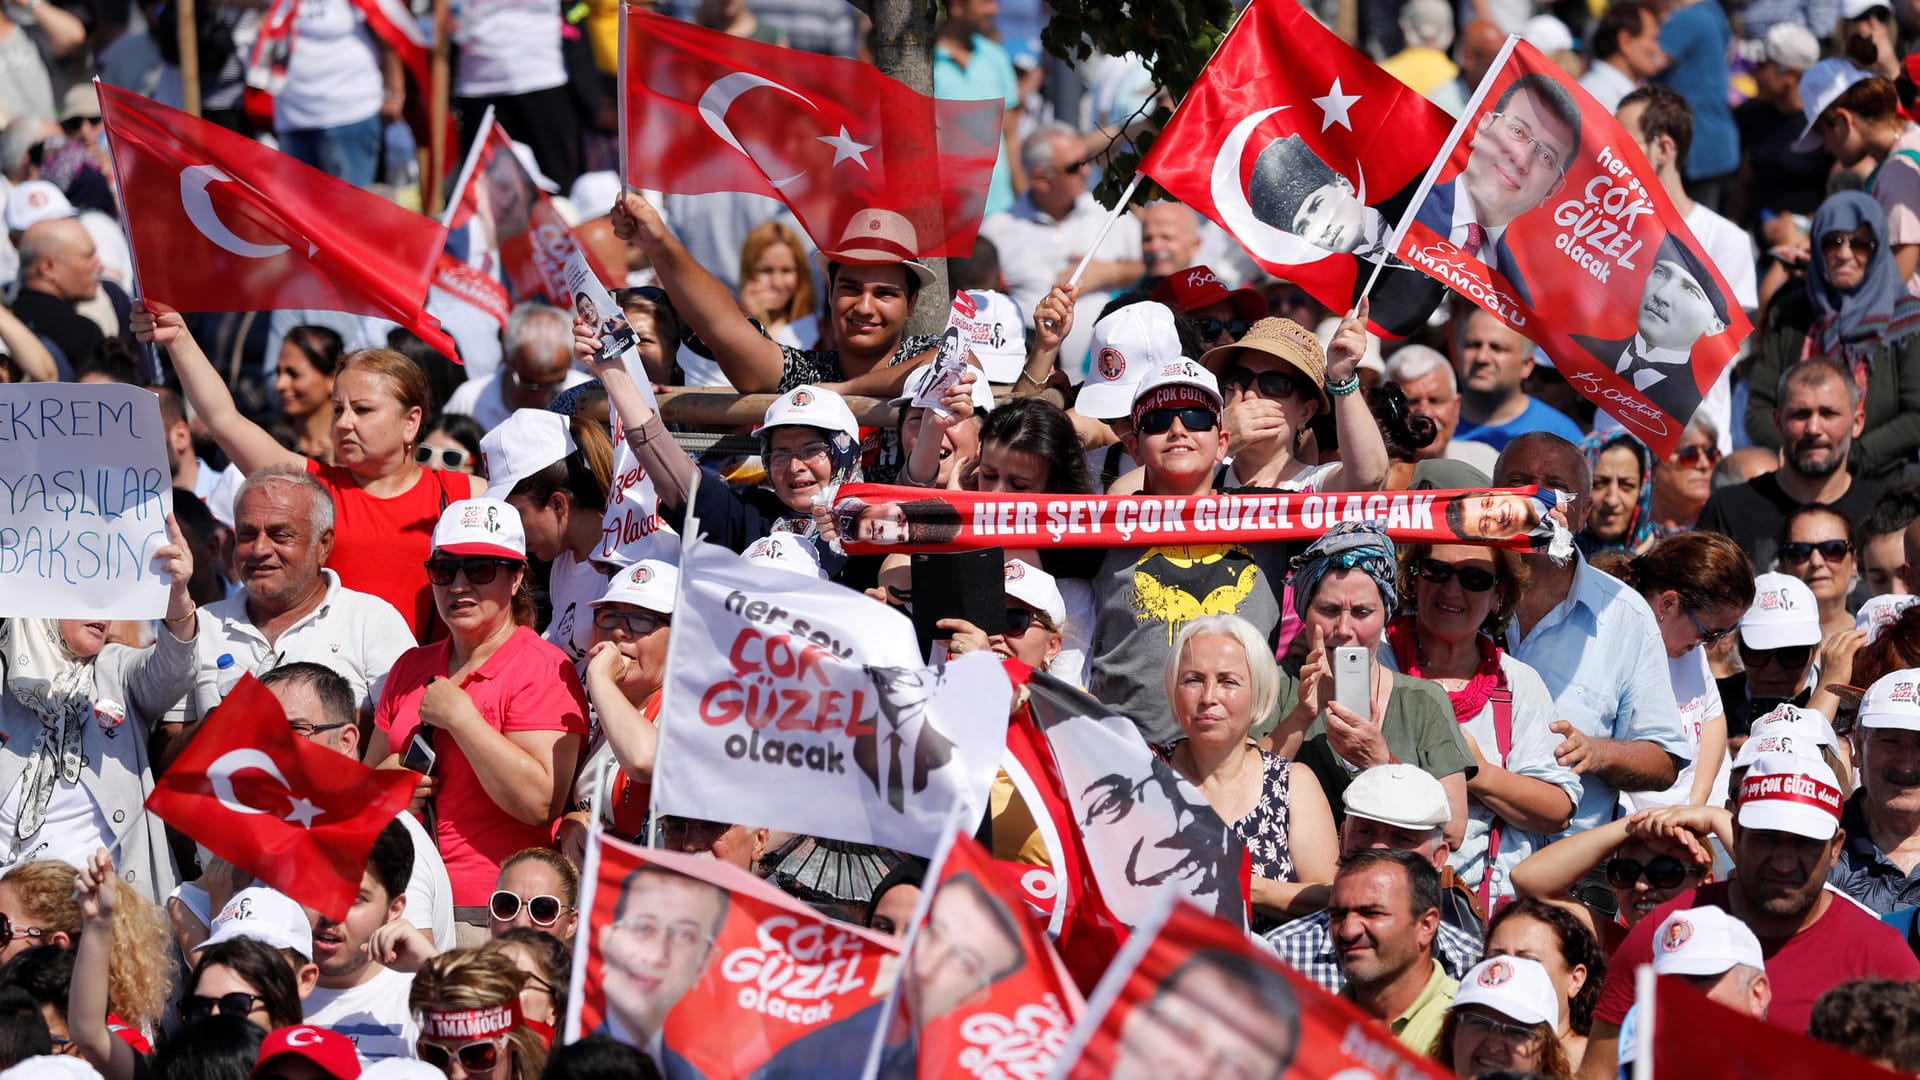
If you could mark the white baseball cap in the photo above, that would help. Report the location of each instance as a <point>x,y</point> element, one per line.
<point>1820,85</point>
<point>1125,345</point>
<point>1704,941</point>
<point>524,443</point>
<point>1853,9</point>
<point>1174,383</point>
<point>811,406</point>
<point>33,202</point>
<point>263,914</point>
<point>1037,589</point>
<point>922,375</point>
<point>785,551</point>
<point>1788,729</point>
<point>1513,986</point>
<point>481,527</point>
<point>1547,33</point>
<point>648,583</point>
<point>1792,794</point>
<point>1880,612</point>
<point>1783,613</point>
<point>999,335</point>
<point>593,193</point>
<point>1792,46</point>
<point>1401,795</point>
<point>1893,701</point>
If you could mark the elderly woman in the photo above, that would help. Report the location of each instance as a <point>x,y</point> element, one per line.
<point>1683,479</point>
<point>1857,310</point>
<point>1620,516</point>
<point>1218,680</point>
<point>1819,546</point>
<point>1504,1019</point>
<point>1345,589</point>
<point>1561,943</point>
<point>1519,795</point>
<point>76,779</point>
<point>454,989</point>
<point>500,709</point>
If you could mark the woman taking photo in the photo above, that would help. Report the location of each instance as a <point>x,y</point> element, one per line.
<point>449,992</point>
<point>1503,1020</point>
<point>1519,795</point>
<point>500,709</point>
<point>1818,545</point>
<point>385,503</point>
<point>1558,941</point>
<point>1218,680</point>
<point>303,381</point>
<point>1620,517</point>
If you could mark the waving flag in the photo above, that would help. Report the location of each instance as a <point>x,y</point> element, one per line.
<point>1701,1039</point>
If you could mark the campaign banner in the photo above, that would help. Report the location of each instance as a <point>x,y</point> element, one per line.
<point>801,705</point>
<point>632,529</point>
<point>1701,1039</point>
<point>1195,989</point>
<point>878,518</point>
<point>83,469</point>
<point>510,218</point>
<point>981,992</point>
<point>1542,203</point>
<point>950,359</point>
<point>717,973</point>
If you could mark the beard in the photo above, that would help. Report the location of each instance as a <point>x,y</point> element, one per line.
<point>1809,463</point>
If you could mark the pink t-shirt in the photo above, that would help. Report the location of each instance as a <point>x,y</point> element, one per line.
<point>1897,190</point>
<point>528,685</point>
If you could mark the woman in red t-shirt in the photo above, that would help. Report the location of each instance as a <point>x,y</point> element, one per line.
<point>385,504</point>
<point>501,709</point>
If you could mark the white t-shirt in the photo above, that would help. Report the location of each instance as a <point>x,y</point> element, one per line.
<point>572,585</point>
<point>374,1015</point>
<point>333,76</point>
<point>509,47</point>
<point>480,398</point>
<point>429,890</point>
<point>1698,695</point>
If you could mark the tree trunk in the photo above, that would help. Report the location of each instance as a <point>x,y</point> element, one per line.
<point>903,49</point>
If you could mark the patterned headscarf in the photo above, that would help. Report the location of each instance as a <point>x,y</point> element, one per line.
<point>1350,545</point>
<point>1641,527</point>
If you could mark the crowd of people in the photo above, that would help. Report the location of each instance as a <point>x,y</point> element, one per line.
<point>1693,743</point>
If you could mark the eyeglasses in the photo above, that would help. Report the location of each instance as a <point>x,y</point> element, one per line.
<point>547,388</point>
<point>238,1003</point>
<point>813,451</point>
<point>645,929</point>
<point>1482,1026</point>
<point>637,623</point>
<point>1213,328</point>
<point>1661,872</point>
<point>444,458</point>
<point>1075,168</point>
<point>8,931</point>
<point>1688,456</point>
<point>1789,657</point>
<point>543,910</point>
<point>899,597</point>
<point>1517,131</point>
<point>1708,637</point>
<point>479,571</point>
<point>1273,384</point>
<point>475,1057</point>
<point>1160,421</point>
<point>1835,242</point>
<point>1020,620</point>
<point>1472,578</point>
<point>1801,551</point>
<point>308,731</point>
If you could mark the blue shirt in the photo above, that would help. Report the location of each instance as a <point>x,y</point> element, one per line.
<point>1696,37</point>
<point>1601,655</point>
<point>1539,416</point>
<point>988,75</point>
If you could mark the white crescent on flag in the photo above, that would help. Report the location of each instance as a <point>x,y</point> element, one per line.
<point>719,97</point>
<point>1261,240</point>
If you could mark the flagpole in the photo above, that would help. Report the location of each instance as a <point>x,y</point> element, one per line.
<point>1439,162</point>
<point>1113,217</point>
<point>1646,994</point>
<point>437,108</point>
<point>689,535</point>
<point>466,167</point>
<point>149,353</point>
<point>620,110</point>
<point>922,908</point>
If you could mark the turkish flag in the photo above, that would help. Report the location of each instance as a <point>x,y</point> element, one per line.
<point>1701,1039</point>
<point>706,111</point>
<point>1306,152</point>
<point>219,222</point>
<point>294,814</point>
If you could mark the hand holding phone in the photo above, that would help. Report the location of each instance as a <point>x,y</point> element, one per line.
<point>420,755</point>
<point>1353,679</point>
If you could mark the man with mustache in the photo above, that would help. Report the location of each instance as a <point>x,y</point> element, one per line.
<point>1880,863</point>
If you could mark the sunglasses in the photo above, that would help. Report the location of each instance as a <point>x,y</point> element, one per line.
<point>479,571</point>
<point>1801,551</point>
<point>1160,421</point>
<point>1708,637</point>
<point>543,910</point>
<point>1472,578</point>
<point>239,1003</point>
<point>637,623</point>
<point>8,931</point>
<point>444,458</point>
<point>1074,168</point>
<point>475,1057</point>
<point>1273,384</point>
<point>1835,242</point>
<point>1689,456</point>
<point>1788,656</point>
<point>1020,620</point>
<point>1661,872</point>
<point>1211,329</point>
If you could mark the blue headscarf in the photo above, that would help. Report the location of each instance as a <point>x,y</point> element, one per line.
<point>1350,545</point>
<point>1851,325</point>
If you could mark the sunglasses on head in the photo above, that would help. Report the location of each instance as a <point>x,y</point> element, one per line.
<point>479,570</point>
<point>1789,656</point>
<point>1020,620</point>
<point>1689,456</point>
<point>444,458</point>
<point>1273,384</point>
<point>1800,551</point>
<point>475,1057</point>
<point>1661,872</point>
<point>1472,578</point>
<point>543,910</point>
<point>238,1003</point>
<point>637,623</point>
<point>8,931</point>
<point>1160,421</point>
<point>1211,329</point>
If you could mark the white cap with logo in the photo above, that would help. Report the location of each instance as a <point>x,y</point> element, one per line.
<point>810,406</point>
<point>1783,613</point>
<point>1125,345</point>
<point>481,527</point>
<point>1037,589</point>
<point>1000,337</point>
<point>1704,941</point>
<point>35,201</point>
<point>263,914</point>
<point>1513,986</point>
<point>1880,612</point>
<point>1404,796</point>
<point>648,584</point>
<point>785,551</point>
<point>526,442</point>
<point>1785,792</point>
<point>1788,729</point>
<point>1893,701</point>
<point>1176,383</point>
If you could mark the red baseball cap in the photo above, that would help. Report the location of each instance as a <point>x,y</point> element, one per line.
<point>331,1051</point>
<point>1197,287</point>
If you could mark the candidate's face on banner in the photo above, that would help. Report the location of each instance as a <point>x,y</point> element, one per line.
<point>1674,309</point>
<point>1203,1026</point>
<point>963,949</point>
<point>1492,515</point>
<point>509,197</point>
<point>883,524</point>
<point>584,307</point>
<point>1518,158</point>
<point>658,946</point>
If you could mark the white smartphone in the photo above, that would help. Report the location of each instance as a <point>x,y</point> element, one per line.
<point>1353,678</point>
<point>420,755</point>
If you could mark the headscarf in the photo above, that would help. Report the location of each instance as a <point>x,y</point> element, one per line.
<point>1641,526</point>
<point>1350,545</point>
<point>1851,325</point>
<point>42,674</point>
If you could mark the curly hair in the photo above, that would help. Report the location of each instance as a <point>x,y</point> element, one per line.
<point>140,968</point>
<point>476,979</point>
<point>1578,948</point>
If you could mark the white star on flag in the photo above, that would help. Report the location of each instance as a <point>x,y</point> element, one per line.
<point>846,148</point>
<point>301,812</point>
<point>1334,106</point>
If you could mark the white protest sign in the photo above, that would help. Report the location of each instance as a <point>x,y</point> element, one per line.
<point>798,704</point>
<point>632,528</point>
<point>83,472</point>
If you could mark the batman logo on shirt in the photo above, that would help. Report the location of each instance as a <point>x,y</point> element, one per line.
<point>1177,585</point>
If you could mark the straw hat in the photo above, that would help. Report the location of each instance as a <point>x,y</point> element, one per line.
<point>1283,339</point>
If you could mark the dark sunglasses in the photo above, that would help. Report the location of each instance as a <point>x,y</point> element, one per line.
<point>1801,551</point>
<point>448,458</point>
<point>1020,620</point>
<point>1835,242</point>
<point>1213,328</point>
<point>479,571</point>
<point>475,1057</point>
<point>1160,421</point>
<point>1472,578</point>
<point>1074,168</point>
<point>8,931</point>
<point>1789,656</point>
<point>239,1003</point>
<point>1273,384</point>
<point>1661,872</point>
<point>637,623</point>
<point>1689,456</point>
<point>1708,637</point>
<point>72,124</point>
<point>543,910</point>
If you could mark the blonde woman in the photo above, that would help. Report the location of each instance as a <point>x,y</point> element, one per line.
<point>123,971</point>
<point>446,992</point>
